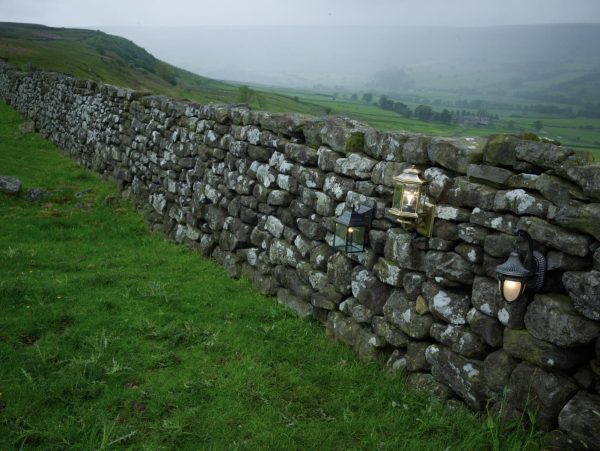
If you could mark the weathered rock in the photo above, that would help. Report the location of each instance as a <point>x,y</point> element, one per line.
<point>552,317</point>
<point>583,218</point>
<point>36,194</point>
<point>396,362</point>
<point>557,190</point>
<point>450,213</point>
<point>348,331</point>
<point>468,194</point>
<point>504,223</point>
<point>490,175</point>
<point>450,306</point>
<point>399,248</point>
<point>498,244</point>
<point>392,334</point>
<point>449,265</point>
<point>459,339</point>
<point>279,198</point>
<point>456,154</point>
<point>522,345</point>
<point>303,309</point>
<point>388,272</point>
<point>9,185</point>
<point>274,226</point>
<point>337,187</point>
<point>501,149</point>
<point>301,154</point>
<point>540,392</point>
<point>356,166</point>
<point>414,149</point>
<point>339,271</point>
<point>385,171</point>
<point>497,368</point>
<point>427,383</point>
<point>521,202</point>
<point>282,253</point>
<point>311,229</point>
<point>368,290</point>
<point>359,312</point>
<point>439,181</point>
<point>464,376</point>
<point>400,311</point>
<point>327,158</point>
<point>415,356</point>
<point>472,233</point>
<point>560,261</point>
<point>555,237</point>
<point>488,328</point>
<point>586,176</point>
<point>584,291</point>
<point>412,283</point>
<point>580,418</point>
<point>470,252</point>
<point>544,155</point>
<point>446,230</point>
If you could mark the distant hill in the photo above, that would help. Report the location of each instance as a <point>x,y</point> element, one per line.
<point>91,54</point>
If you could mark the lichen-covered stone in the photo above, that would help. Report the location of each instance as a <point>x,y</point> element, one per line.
<point>368,290</point>
<point>337,187</point>
<point>552,317</point>
<point>522,345</point>
<point>545,155</point>
<point>414,149</point>
<point>390,333</point>
<point>586,176</point>
<point>456,154</point>
<point>439,181</point>
<point>468,194</point>
<point>556,260</point>
<point>488,328</point>
<point>553,236</point>
<point>283,253</point>
<point>339,271</point>
<point>463,375</point>
<point>356,166</point>
<point>311,229</point>
<point>584,291</point>
<point>427,383</point>
<point>9,185</point>
<point>490,175</point>
<point>301,154</point>
<point>498,244</point>
<point>348,331</point>
<point>459,339</point>
<point>580,418</point>
<point>473,234</point>
<point>541,392</point>
<point>451,213</point>
<point>303,309</point>
<point>497,368</point>
<point>388,272</point>
<point>274,226</point>
<point>447,305</point>
<point>557,190</point>
<point>400,311</point>
<point>412,283</point>
<point>583,218</point>
<point>521,202</point>
<point>448,265</point>
<point>470,252</point>
<point>505,223</point>
<point>501,149</point>
<point>415,356</point>
<point>399,248</point>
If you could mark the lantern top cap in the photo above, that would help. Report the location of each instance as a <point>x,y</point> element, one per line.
<point>513,267</point>
<point>410,176</point>
<point>361,217</point>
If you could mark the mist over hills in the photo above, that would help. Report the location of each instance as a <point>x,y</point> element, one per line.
<point>515,58</point>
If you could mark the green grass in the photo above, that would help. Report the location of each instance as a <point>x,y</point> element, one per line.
<point>111,337</point>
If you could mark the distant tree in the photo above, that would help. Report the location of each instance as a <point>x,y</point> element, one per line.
<point>245,93</point>
<point>511,124</point>
<point>538,125</point>
<point>296,99</point>
<point>354,97</point>
<point>424,112</point>
<point>445,116</point>
<point>367,97</point>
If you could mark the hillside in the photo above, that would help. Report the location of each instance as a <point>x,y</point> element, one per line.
<point>96,55</point>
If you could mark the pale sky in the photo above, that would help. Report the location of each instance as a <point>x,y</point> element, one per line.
<point>90,13</point>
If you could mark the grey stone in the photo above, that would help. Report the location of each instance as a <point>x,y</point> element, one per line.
<point>556,237</point>
<point>490,175</point>
<point>448,265</point>
<point>501,149</point>
<point>388,272</point>
<point>497,368</point>
<point>279,198</point>
<point>468,194</point>
<point>385,171</point>
<point>311,229</point>
<point>35,194</point>
<point>498,244</point>
<point>392,334</point>
<point>302,309</point>
<point>396,361</point>
<point>486,296</point>
<point>522,345</point>
<point>439,244</point>
<point>309,177</point>
<point>324,205</point>
<point>301,154</point>
<point>446,230</point>
<point>544,155</point>
<point>400,311</point>
<point>447,305</point>
<point>339,271</point>
<point>359,312</point>
<point>521,202</point>
<point>580,418</point>
<point>560,261</point>
<point>504,223</point>
<point>414,149</point>
<point>584,291</point>
<point>413,283</point>
<point>459,339</point>
<point>337,187</point>
<point>368,290</point>
<point>473,234</point>
<point>282,253</point>
<point>464,376</point>
<point>356,166</point>
<point>470,252</point>
<point>488,328</point>
<point>557,190</point>
<point>456,154</point>
<point>586,176</point>
<point>450,213</point>
<point>439,182</point>
<point>427,383</point>
<point>540,392</point>
<point>399,248</point>
<point>321,301</point>
<point>552,317</point>
<point>327,158</point>
<point>583,218</point>
<point>319,257</point>
<point>274,226</point>
<point>348,331</point>
<point>415,356</point>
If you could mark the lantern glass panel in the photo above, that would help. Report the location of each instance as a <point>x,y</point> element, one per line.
<point>350,239</point>
<point>511,289</point>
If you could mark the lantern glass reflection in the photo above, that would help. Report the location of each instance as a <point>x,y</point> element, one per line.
<point>351,230</point>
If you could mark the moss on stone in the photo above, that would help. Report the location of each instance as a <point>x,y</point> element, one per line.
<point>356,143</point>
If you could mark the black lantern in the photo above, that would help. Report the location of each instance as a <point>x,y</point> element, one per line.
<point>351,229</point>
<point>410,206</point>
<point>514,276</point>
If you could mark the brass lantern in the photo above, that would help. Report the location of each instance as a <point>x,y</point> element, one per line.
<point>410,206</point>
<point>351,229</point>
<point>514,276</point>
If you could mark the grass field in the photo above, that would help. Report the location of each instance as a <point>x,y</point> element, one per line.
<point>113,338</point>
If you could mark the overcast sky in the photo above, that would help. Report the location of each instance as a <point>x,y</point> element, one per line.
<point>89,13</point>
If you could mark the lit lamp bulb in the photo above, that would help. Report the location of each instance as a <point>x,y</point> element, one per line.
<point>511,289</point>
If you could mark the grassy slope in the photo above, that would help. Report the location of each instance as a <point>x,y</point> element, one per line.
<point>111,337</point>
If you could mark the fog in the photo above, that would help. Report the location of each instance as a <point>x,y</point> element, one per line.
<point>356,57</point>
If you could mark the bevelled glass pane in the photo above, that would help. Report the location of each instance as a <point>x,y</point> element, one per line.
<point>356,239</point>
<point>339,240</point>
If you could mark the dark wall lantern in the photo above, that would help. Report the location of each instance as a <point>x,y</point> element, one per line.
<point>351,229</point>
<point>410,206</point>
<point>515,276</point>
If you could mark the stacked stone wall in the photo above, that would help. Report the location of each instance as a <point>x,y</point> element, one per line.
<point>258,192</point>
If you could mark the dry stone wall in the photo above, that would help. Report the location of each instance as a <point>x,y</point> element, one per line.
<point>258,192</point>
